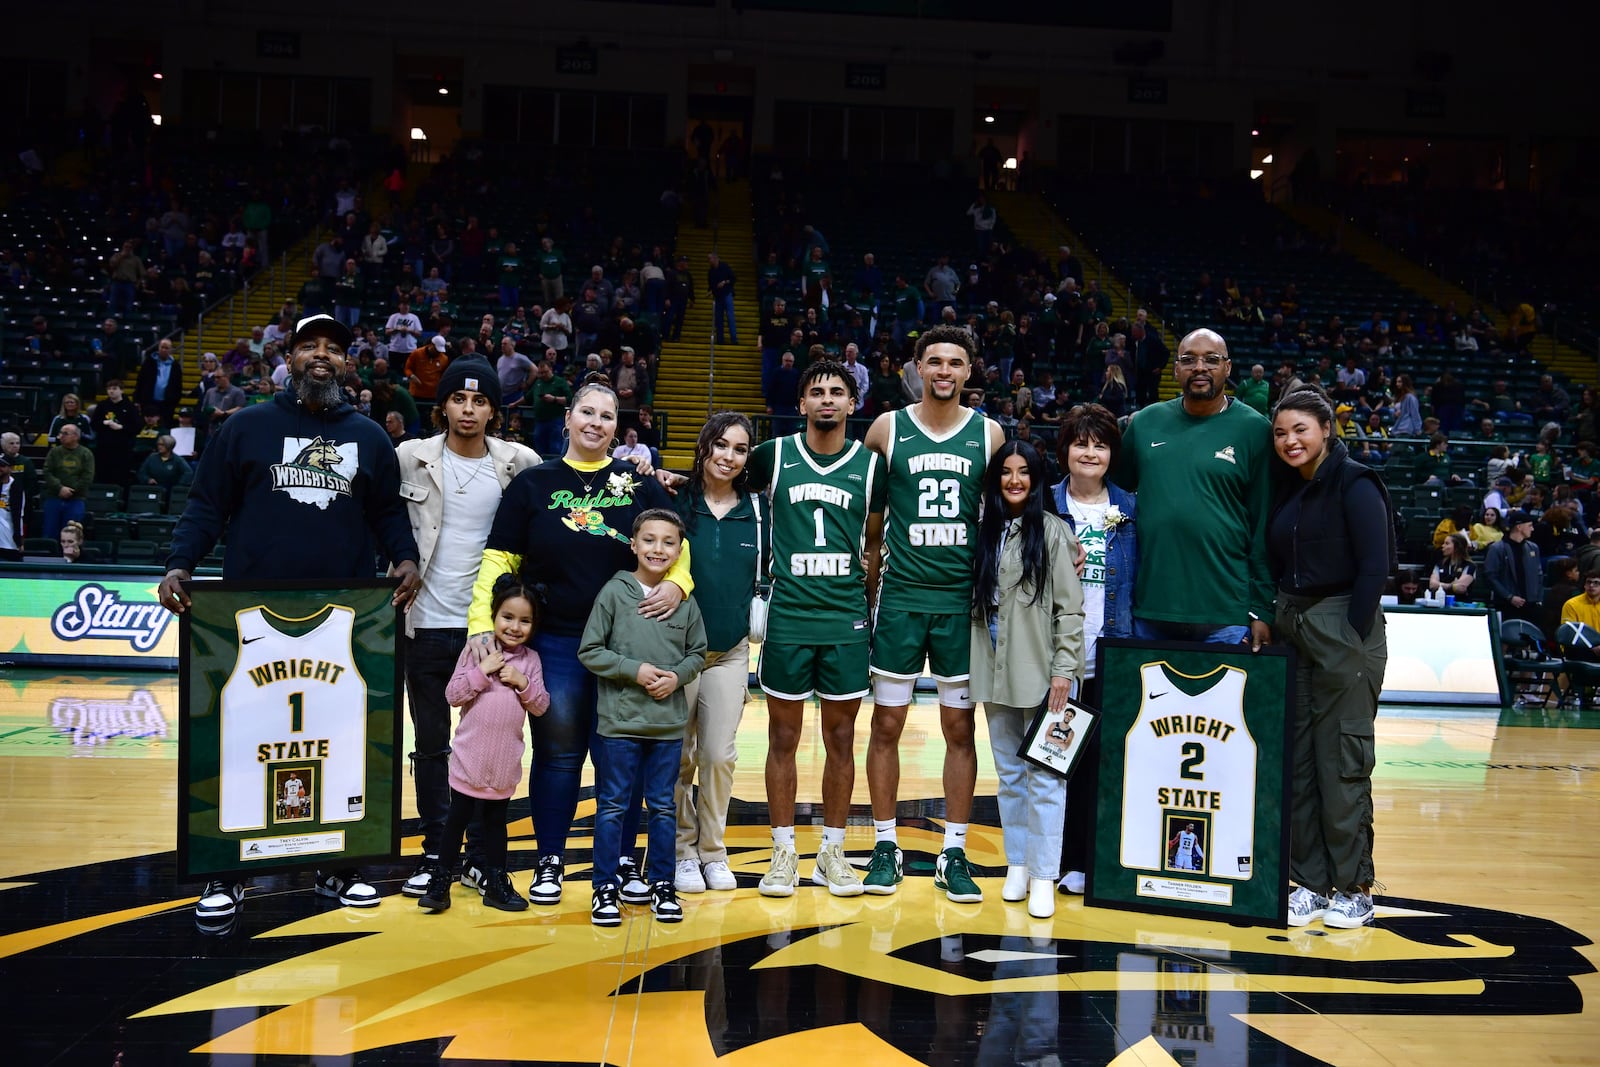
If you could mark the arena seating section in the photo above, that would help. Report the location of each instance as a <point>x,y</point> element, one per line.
<point>1156,235</point>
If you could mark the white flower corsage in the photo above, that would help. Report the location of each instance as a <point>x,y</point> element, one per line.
<point>1114,518</point>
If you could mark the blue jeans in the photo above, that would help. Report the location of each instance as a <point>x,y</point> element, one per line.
<point>122,297</point>
<point>347,314</point>
<point>722,315</point>
<point>561,736</point>
<point>1152,630</point>
<point>622,762</point>
<point>547,438</point>
<point>58,512</point>
<point>1033,801</point>
<point>654,296</point>
<point>771,360</point>
<point>431,658</point>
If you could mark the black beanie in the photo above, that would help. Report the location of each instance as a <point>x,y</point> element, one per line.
<point>473,374</point>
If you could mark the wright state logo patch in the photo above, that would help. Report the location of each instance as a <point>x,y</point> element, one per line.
<point>315,471</point>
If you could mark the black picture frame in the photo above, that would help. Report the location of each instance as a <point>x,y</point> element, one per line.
<point>382,771</point>
<point>1250,889</point>
<point>1039,749</point>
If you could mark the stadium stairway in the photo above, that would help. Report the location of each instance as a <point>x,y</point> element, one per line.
<point>1550,353</point>
<point>1037,225</point>
<point>257,306</point>
<point>685,389</point>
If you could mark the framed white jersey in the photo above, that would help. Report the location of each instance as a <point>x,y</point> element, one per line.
<point>290,698</point>
<point>1192,809</point>
<point>1189,753</point>
<point>293,698</point>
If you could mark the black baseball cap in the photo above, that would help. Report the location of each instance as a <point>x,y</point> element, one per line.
<point>322,326</point>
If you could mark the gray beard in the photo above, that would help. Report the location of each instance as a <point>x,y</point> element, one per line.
<point>320,397</point>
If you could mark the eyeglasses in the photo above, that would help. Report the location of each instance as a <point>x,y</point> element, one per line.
<point>1209,361</point>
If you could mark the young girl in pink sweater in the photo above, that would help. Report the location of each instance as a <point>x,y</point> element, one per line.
<point>495,697</point>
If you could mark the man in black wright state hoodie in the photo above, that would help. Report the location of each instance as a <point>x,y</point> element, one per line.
<point>303,486</point>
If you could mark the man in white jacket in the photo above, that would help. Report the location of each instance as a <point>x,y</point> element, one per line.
<point>452,483</point>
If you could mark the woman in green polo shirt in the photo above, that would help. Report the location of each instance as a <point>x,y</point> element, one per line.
<point>728,524</point>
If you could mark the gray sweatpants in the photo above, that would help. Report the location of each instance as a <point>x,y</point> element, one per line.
<point>1337,681</point>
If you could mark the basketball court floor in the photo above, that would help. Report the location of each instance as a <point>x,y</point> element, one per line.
<point>1488,840</point>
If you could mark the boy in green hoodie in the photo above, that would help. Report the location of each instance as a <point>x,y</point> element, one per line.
<point>642,665</point>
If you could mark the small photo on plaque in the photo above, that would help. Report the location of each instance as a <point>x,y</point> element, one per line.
<point>292,790</point>
<point>1188,837</point>
<point>1055,741</point>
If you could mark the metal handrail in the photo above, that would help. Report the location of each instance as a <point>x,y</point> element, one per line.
<point>711,341</point>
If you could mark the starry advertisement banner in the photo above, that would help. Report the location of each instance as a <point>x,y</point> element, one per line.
<point>290,698</point>
<point>83,618</point>
<point>1193,801</point>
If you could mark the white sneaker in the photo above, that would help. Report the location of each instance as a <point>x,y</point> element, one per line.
<point>635,890</point>
<point>1306,906</point>
<point>718,876</point>
<point>688,878</point>
<point>834,871</point>
<point>1041,898</point>
<point>1016,884</point>
<point>421,878</point>
<point>1073,883</point>
<point>348,887</point>
<point>1349,911</point>
<point>219,900</point>
<point>783,875</point>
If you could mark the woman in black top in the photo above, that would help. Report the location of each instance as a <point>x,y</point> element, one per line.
<point>1330,545</point>
<point>1454,573</point>
<point>566,525</point>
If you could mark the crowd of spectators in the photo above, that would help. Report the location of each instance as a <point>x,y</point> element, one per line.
<point>403,281</point>
<point>547,296</point>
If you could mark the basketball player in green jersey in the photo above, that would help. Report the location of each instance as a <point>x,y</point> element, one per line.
<point>935,451</point>
<point>827,501</point>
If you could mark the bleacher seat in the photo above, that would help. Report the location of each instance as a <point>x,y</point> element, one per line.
<point>101,499</point>
<point>138,552</point>
<point>145,500</point>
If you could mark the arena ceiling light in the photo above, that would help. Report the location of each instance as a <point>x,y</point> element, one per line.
<point>1267,158</point>
<point>1009,164</point>
<point>988,118</point>
<point>443,91</point>
<point>155,120</point>
<point>1256,173</point>
<point>417,134</point>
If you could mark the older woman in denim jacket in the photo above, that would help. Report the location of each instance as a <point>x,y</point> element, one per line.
<point>1102,517</point>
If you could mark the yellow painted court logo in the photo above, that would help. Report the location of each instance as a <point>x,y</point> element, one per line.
<point>747,979</point>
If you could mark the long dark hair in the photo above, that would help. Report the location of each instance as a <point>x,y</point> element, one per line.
<point>718,424</point>
<point>1035,553</point>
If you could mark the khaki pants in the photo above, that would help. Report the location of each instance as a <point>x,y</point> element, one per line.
<point>1337,680</point>
<point>716,704</point>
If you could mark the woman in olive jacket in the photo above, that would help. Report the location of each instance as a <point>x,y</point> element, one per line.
<point>1027,653</point>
